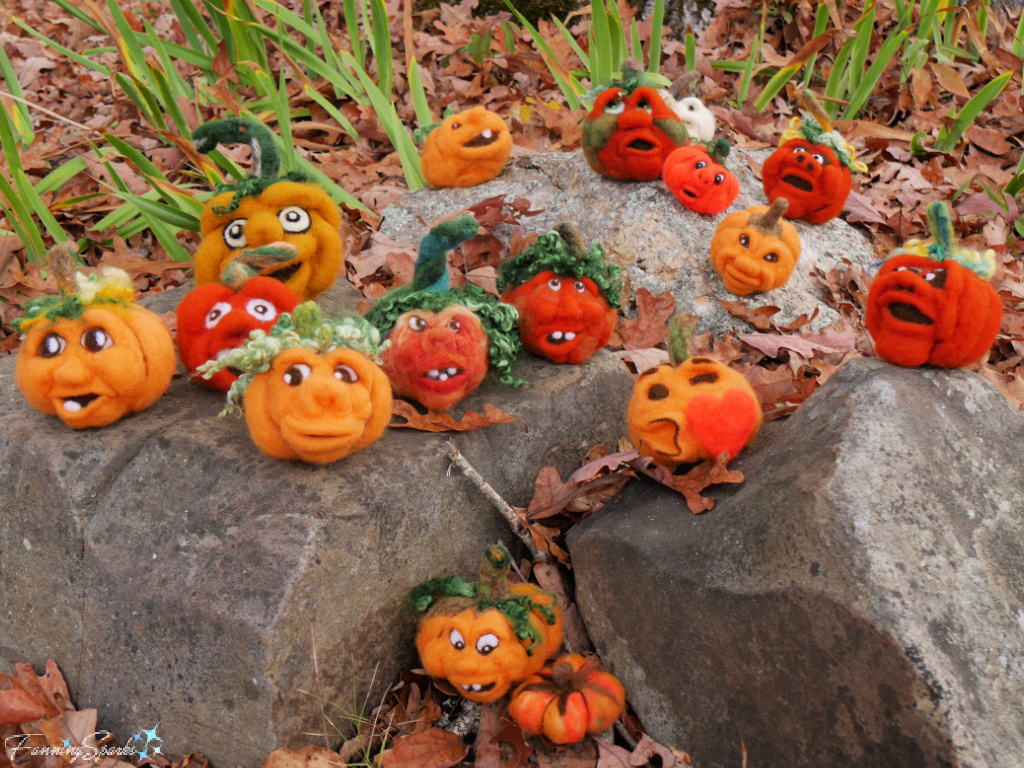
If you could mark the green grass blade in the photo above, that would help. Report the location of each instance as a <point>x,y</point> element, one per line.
<point>821,19</point>
<point>861,43</point>
<point>419,96</point>
<point>571,40</point>
<point>947,141</point>
<point>657,27</point>
<point>53,44</point>
<point>60,175</point>
<point>334,112</point>
<point>570,87</point>
<point>381,38</point>
<point>198,35</point>
<point>748,71</point>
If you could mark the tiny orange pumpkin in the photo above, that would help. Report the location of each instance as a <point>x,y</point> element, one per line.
<point>755,249</point>
<point>466,149</point>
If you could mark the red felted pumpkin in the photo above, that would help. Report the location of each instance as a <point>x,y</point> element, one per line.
<point>699,182</point>
<point>215,318</point>
<point>568,700</point>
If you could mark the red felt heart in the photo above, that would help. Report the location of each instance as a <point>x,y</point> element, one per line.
<point>722,424</point>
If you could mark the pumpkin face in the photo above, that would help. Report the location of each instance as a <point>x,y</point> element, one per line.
<point>213,319</point>
<point>478,651</point>
<point>698,182</point>
<point>467,149</point>
<point>317,408</point>
<point>628,136</point>
<point>299,220</point>
<point>561,318</point>
<point>750,256</point>
<point>92,371</point>
<point>810,177</point>
<point>437,359</point>
<point>692,412</point>
<point>922,311</point>
<point>568,700</point>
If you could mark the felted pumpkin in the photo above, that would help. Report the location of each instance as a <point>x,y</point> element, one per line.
<point>567,299</point>
<point>90,355</point>
<point>283,228</point>
<point>698,179</point>
<point>811,168</point>
<point>310,388</point>
<point>484,636</point>
<point>930,309</point>
<point>631,131</point>
<point>215,318</point>
<point>443,340</point>
<point>567,700</point>
<point>466,149</point>
<point>691,409</point>
<point>755,250</point>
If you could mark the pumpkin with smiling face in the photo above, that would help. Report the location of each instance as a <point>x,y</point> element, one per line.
<point>91,357</point>
<point>755,250</point>
<point>287,229</point>
<point>215,318</point>
<point>631,131</point>
<point>699,180</point>
<point>567,298</point>
<point>466,149</point>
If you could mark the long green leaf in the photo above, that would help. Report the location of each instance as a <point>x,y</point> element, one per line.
<point>657,26</point>
<point>947,141</point>
<point>867,85</point>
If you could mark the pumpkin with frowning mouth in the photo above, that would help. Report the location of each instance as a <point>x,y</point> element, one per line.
<point>466,149</point>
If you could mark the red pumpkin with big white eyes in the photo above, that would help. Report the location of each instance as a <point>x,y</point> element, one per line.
<point>922,311</point>
<point>810,177</point>
<point>214,318</point>
<point>561,318</point>
<point>436,359</point>
<point>698,182</point>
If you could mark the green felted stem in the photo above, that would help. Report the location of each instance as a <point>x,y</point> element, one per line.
<point>679,332</point>
<point>431,262</point>
<point>240,130</point>
<point>940,222</point>
<point>719,150</point>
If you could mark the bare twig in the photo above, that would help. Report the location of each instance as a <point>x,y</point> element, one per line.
<point>620,728</point>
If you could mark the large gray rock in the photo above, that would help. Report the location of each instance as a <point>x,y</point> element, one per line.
<point>179,576</point>
<point>663,246</point>
<point>858,600</point>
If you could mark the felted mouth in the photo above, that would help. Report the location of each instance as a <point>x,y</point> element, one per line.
<point>798,182</point>
<point>640,145</point>
<point>477,688</point>
<point>482,140</point>
<point>560,337</point>
<point>909,313</point>
<point>675,435</point>
<point>285,273</point>
<point>443,374</point>
<point>79,403</point>
<point>689,192</point>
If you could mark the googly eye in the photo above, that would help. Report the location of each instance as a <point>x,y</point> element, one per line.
<point>798,150</point>
<point>456,126</point>
<point>614,107</point>
<point>487,643</point>
<point>820,158</point>
<point>719,178</point>
<point>96,339</point>
<point>579,286</point>
<point>295,220</point>
<point>417,323</point>
<point>454,325</point>
<point>296,374</point>
<point>346,373</point>
<point>900,269</point>
<point>51,345</point>
<point>261,309</point>
<point>701,164</point>
<point>215,314</point>
<point>745,241</point>
<point>457,640</point>
<point>554,284</point>
<point>771,257</point>
<point>234,234</point>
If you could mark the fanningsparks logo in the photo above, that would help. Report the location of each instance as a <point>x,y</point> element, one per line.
<point>93,748</point>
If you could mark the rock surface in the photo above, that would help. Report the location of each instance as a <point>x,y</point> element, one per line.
<point>179,576</point>
<point>858,600</point>
<point>662,245</point>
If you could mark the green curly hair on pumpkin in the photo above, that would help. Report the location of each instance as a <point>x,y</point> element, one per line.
<point>266,159</point>
<point>561,251</point>
<point>304,327</point>
<point>110,287</point>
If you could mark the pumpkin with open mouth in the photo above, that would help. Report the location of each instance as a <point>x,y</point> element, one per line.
<point>699,179</point>
<point>466,149</point>
<point>286,228</point>
<point>567,298</point>
<point>90,355</point>
<point>631,131</point>
<point>931,309</point>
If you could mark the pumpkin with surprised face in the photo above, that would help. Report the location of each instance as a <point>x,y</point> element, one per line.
<point>755,250</point>
<point>699,180</point>
<point>467,149</point>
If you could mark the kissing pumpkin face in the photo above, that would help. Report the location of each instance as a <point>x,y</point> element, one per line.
<point>810,176</point>
<point>289,230</point>
<point>467,149</point>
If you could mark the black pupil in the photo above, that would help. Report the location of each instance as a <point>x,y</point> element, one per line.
<point>51,345</point>
<point>700,164</point>
<point>215,314</point>
<point>719,178</point>
<point>772,257</point>
<point>644,105</point>
<point>744,241</point>
<point>344,373</point>
<point>260,309</point>
<point>658,392</point>
<point>293,376</point>
<point>94,339</point>
<point>235,231</point>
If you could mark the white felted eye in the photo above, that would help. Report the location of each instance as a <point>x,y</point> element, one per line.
<point>296,374</point>
<point>454,325</point>
<point>820,158</point>
<point>217,311</point>
<point>614,107</point>
<point>701,164</point>
<point>417,323</point>
<point>51,346</point>
<point>295,220</point>
<point>234,234</point>
<point>261,309</point>
<point>579,286</point>
<point>554,284</point>
<point>457,640</point>
<point>346,373</point>
<point>487,643</point>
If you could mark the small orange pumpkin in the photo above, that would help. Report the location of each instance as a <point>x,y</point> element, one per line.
<point>91,356</point>
<point>699,180</point>
<point>483,637</point>
<point>755,250</point>
<point>466,149</point>
<point>692,409</point>
<point>568,700</point>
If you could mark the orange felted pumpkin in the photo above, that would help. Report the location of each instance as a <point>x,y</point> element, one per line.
<point>282,228</point>
<point>568,700</point>
<point>466,149</point>
<point>91,356</point>
<point>930,309</point>
<point>630,131</point>
<point>811,168</point>
<point>692,409</point>
<point>755,250</point>
<point>311,390</point>
<point>567,299</point>
<point>698,179</point>
<point>484,636</point>
<point>215,318</point>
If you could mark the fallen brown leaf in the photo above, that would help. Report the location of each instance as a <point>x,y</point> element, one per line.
<point>433,748</point>
<point>442,421</point>
<point>650,327</point>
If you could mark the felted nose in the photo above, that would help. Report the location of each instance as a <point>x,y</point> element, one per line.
<point>747,265</point>
<point>72,371</point>
<point>437,339</point>
<point>263,228</point>
<point>233,328</point>
<point>636,118</point>
<point>323,393</point>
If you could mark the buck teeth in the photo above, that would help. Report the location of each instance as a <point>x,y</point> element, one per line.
<point>442,374</point>
<point>487,133</point>
<point>474,687</point>
<point>569,336</point>
<point>72,406</point>
<point>557,335</point>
